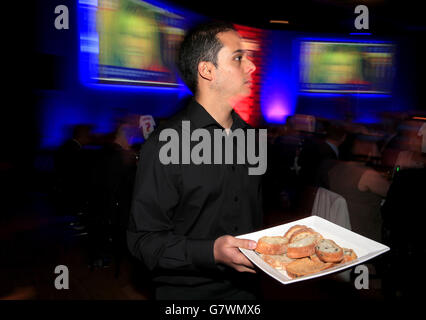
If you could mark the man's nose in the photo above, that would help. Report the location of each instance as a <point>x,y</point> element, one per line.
<point>250,66</point>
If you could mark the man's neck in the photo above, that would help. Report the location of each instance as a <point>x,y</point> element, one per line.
<point>219,110</point>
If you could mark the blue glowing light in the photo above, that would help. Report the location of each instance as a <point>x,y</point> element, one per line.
<point>280,84</point>
<point>326,39</point>
<point>83,101</point>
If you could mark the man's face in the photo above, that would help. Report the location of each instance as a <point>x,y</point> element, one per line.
<point>234,69</point>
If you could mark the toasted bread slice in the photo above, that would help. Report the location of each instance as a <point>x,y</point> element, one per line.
<point>293,229</point>
<point>272,245</point>
<point>305,247</point>
<point>278,261</point>
<point>315,258</point>
<point>328,251</point>
<point>302,233</point>
<point>305,266</point>
<point>348,255</point>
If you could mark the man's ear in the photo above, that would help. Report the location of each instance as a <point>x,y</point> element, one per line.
<point>206,70</point>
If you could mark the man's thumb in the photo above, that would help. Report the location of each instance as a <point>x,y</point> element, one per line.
<point>246,244</point>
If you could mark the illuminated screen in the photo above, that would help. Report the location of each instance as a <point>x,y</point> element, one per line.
<point>346,67</point>
<point>130,42</point>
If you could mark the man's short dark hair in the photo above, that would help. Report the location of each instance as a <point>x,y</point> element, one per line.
<point>200,44</point>
<point>335,132</point>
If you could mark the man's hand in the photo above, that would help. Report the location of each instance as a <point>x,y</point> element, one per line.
<point>226,252</point>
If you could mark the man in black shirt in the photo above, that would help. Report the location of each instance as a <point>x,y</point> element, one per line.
<point>184,215</point>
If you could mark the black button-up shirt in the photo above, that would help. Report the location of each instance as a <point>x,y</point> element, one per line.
<point>178,210</point>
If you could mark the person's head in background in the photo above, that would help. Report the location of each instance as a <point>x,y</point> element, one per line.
<point>289,127</point>
<point>408,138</point>
<point>127,132</point>
<point>410,141</point>
<point>214,65</point>
<point>335,134</point>
<point>82,133</point>
<point>121,137</point>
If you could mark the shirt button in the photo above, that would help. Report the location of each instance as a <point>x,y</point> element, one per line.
<point>235,198</point>
<point>235,228</point>
<point>233,168</point>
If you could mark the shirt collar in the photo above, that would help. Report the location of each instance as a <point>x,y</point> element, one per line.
<point>335,149</point>
<point>78,142</point>
<point>200,118</point>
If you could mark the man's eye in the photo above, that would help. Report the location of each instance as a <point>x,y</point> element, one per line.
<point>239,58</point>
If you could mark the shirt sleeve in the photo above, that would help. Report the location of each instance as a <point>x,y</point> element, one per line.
<point>150,234</point>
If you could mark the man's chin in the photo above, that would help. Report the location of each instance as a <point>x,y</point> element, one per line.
<point>247,92</point>
<point>241,96</point>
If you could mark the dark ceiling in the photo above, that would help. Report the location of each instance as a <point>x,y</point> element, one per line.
<point>385,17</point>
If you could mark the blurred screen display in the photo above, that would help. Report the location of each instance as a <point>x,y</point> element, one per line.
<point>346,67</point>
<point>130,42</point>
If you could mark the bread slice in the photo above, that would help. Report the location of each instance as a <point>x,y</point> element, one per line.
<point>348,255</point>
<point>272,245</point>
<point>277,261</point>
<point>293,229</point>
<point>315,258</point>
<point>305,266</point>
<point>328,251</point>
<point>302,233</point>
<point>305,247</point>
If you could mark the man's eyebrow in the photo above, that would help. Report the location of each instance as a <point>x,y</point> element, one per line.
<point>239,51</point>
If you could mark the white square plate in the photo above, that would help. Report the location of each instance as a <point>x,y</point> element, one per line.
<point>364,248</point>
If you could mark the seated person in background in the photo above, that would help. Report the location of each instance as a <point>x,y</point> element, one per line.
<point>403,231</point>
<point>315,152</point>
<point>72,166</point>
<point>281,178</point>
<point>364,189</point>
<point>111,189</point>
<point>404,148</point>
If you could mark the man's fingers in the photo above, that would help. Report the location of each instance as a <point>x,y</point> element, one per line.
<point>241,268</point>
<point>226,251</point>
<point>241,259</point>
<point>244,243</point>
